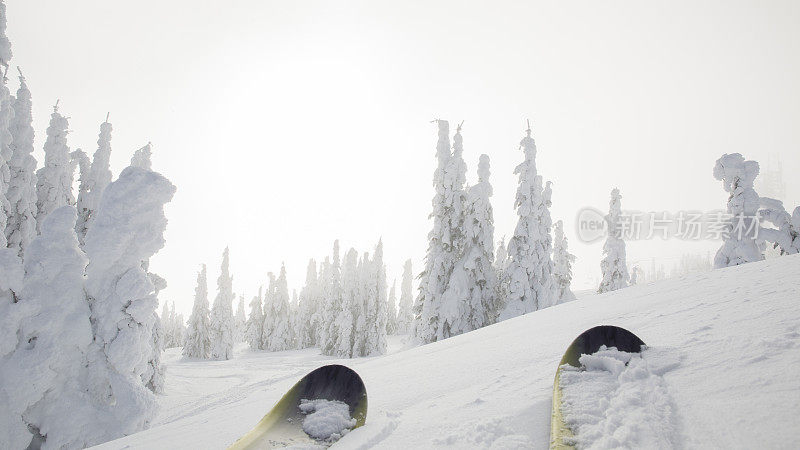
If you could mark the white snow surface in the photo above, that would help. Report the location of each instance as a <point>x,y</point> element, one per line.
<point>620,400</point>
<point>326,419</point>
<point>724,345</point>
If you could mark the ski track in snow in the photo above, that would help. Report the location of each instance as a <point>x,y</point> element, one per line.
<point>725,344</point>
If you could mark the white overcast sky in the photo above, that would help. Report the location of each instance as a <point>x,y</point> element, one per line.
<point>288,124</point>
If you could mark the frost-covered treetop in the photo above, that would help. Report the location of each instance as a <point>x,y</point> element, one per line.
<point>735,172</point>
<point>141,158</point>
<point>5,44</point>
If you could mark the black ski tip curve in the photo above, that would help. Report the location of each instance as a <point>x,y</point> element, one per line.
<point>336,382</point>
<point>592,339</point>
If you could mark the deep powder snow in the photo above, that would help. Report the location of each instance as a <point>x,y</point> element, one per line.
<point>616,400</point>
<point>326,420</point>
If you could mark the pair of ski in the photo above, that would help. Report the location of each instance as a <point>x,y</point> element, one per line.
<point>282,426</point>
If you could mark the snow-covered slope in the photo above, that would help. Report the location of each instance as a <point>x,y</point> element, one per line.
<point>727,344</point>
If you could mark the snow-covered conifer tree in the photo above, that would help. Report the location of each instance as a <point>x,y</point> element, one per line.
<point>6,153</point>
<point>128,230</point>
<point>222,326</point>
<point>80,159</point>
<point>307,315</point>
<point>530,270</point>
<point>446,240</point>
<point>276,315</point>
<point>391,322</point>
<point>350,302</point>
<point>255,323</point>
<point>376,311</point>
<point>404,314</point>
<point>55,338</point>
<point>477,263</point>
<point>332,302</point>
<point>501,264</point>
<point>741,244</point>
<point>364,307</point>
<point>142,157</point>
<point>786,234</point>
<point>99,177</point>
<point>166,320</point>
<point>562,260</point>
<point>21,225</point>
<point>198,333</point>
<point>54,180</point>
<point>240,320</point>
<point>614,266</point>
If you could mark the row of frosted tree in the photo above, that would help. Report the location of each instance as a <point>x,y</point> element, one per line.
<point>80,340</point>
<point>753,224</point>
<point>345,309</point>
<point>466,284</point>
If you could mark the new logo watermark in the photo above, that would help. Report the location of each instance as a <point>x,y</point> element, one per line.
<point>592,225</point>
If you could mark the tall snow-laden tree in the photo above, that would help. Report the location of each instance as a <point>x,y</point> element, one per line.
<point>13,429</point>
<point>530,270</point>
<point>405,316</point>
<point>331,302</point>
<point>6,153</point>
<point>613,265</point>
<point>21,223</point>
<point>376,312</point>
<point>741,245</point>
<point>276,321</point>
<point>308,317</point>
<point>344,340</point>
<point>99,177</point>
<point>501,264</point>
<point>222,326</point>
<point>562,260</point>
<point>255,323</point>
<point>198,334</point>
<point>473,282</point>
<point>128,230</point>
<point>445,240</point>
<point>54,180</point>
<point>365,292</point>
<point>391,322</point>
<point>240,320</point>
<point>54,340</point>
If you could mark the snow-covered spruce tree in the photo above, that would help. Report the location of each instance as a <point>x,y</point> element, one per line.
<point>332,302</point>
<point>166,320</point>
<point>21,224</point>
<point>365,307</point>
<point>562,260</point>
<point>391,320</point>
<point>307,316</point>
<point>376,312</point>
<point>530,270</point>
<point>129,229</point>
<point>350,302</point>
<point>54,339</point>
<point>6,153</point>
<point>269,297</point>
<point>446,240</point>
<point>741,244</point>
<point>240,320</point>
<point>198,333</point>
<point>222,326</point>
<point>255,323</point>
<point>477,263</point>
<point>501,264</point>
<point>99,177</point>
<point>54,180</point>
<point>404,314</point>
<point>613,265</point>
<point>276,322</point>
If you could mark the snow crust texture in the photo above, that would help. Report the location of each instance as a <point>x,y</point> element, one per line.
<point>326,420</point>
<point>616,401</point>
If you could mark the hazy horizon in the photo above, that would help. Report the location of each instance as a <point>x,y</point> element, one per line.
<point>286,126</point>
